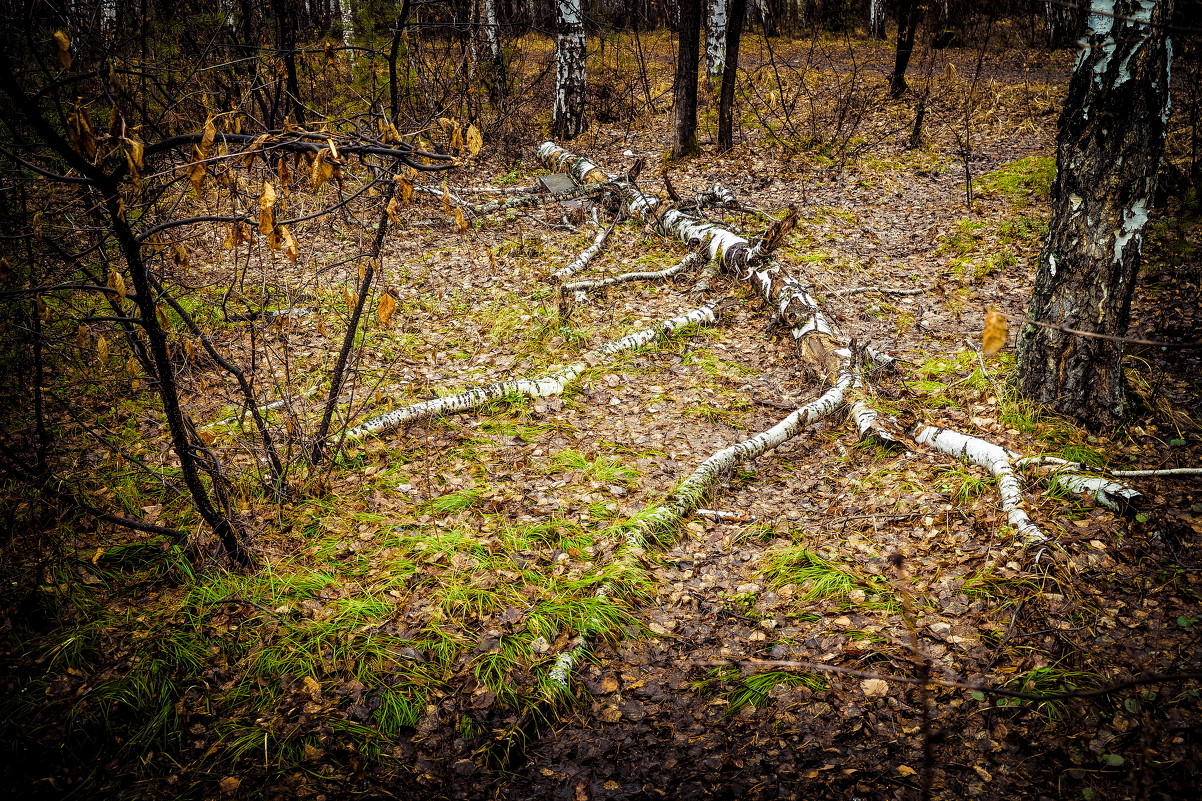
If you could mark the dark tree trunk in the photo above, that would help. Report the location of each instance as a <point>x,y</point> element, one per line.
<point>394,51</point>
<point>730,72</point>
<point>286,38</point>
<point>908,14</point>
<point>1108,150</point>
<point>684,139</point>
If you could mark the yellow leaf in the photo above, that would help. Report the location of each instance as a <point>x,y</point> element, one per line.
<point>445,197</point>
<point>82,337</point>
<point>322,170</point>
<point>290,247</point>
<point>43,310</point>
<point>348,297</point>
<point>906,770</point>
<point>285,174</point>
<point>206,139</point>
<point>333,151</point>
<point>116,282</point>
<point>460,221</point>
<point>102,350</point>
<point>391,209</point>
<point>196,170</point>
<point>456,138</point>
<point>267,210</point>
<point>994,336</point>
<point>62,48</point>
<point>474,140</point>
<point>386,308</point>
<point>231,237</point>
<point>406,190</point>
<point>136,150</point>
<point>131,366</point>
<point>164,323</point>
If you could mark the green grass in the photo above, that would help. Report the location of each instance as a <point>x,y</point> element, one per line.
<point>1020,181</point>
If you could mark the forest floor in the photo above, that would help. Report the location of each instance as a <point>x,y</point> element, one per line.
<point>397,639</point>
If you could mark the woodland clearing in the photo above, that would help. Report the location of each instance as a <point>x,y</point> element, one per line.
<point>401,636</point>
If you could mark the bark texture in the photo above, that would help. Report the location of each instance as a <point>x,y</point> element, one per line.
<point>730,73</point>
<point>684,138</point>
<point>569,121</point>
<point>715,37</point>
<point>1109,147</point>
<point>908,14</point>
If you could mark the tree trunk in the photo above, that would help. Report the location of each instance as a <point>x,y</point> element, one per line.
<point>877,12</point>
<point>908,14</point>
<point>730,72</point>
<point>715,37</point>
<point>684,139</point>
<point>490,36</point>
<point>569,121</point>
<point>1111,139</point>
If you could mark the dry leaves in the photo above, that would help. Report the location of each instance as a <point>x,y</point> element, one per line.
<point>996,330</point>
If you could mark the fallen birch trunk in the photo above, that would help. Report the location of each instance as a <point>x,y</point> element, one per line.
<point>546,386</point>
<point>587,255</point>
<point>996,460</point>
<point>688,262</point>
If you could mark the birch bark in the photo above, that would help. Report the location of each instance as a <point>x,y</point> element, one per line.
<point>569,121</point>
<point>1109,147</point>
<point>715,37</point>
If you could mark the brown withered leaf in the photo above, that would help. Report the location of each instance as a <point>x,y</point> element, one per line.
<point>291,250</point>
<point>196,170</point>
<point>391,209</point>
<point>116,282</point>
<point>62,49</point>
<point>267,210</point>
<point>460,220</point>
<point>993,338</point>
<point>474,140</point>
<point>385,309</point>
<point>207,137</point>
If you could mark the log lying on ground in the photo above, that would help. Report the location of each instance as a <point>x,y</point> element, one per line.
<point>687,263</point>
<point>586,256</point>
<point>546,386</point>
<point>819,342</point>
<point>996,460</point>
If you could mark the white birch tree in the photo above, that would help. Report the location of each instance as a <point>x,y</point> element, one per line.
<point>715,37</point>
<point>569,121</point>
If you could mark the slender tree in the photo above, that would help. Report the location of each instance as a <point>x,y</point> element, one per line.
<point>908,14</point>
<point>715,36</point>
<point>684,140</point>
<point>877,12</point>
<point>730,72</point>
<point>569,120</point>
<point>1108,150</point>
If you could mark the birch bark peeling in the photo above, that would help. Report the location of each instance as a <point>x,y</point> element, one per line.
<point>546,386</point>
